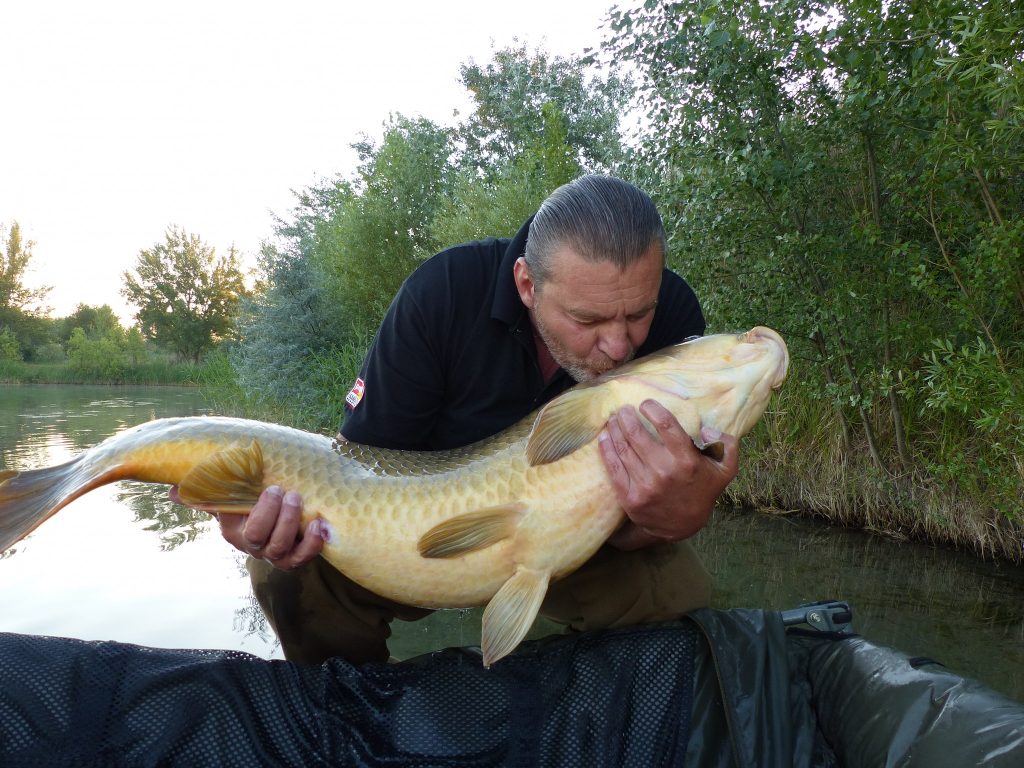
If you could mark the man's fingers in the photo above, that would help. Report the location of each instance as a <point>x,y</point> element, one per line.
<point>669,429</point>
<point>271,529</point>
<point>660,416</point>
<point>611,456</point>
<point>624,429</point>
<point>308,547</point>
<point>636,434</point>
<point>624,465</point>
<point>286,529</point>
<point>231,527</point>
<point>730,459</point>
<point>262,519</point>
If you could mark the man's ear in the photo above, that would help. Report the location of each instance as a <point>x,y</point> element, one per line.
<point>524,282</point>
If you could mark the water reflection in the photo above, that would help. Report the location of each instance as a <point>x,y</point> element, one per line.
<point>121,562</point>
<point>250,621</point>
<point>926,601</point>
<point>173,523</point>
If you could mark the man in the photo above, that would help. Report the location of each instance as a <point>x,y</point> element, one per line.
<point>478,337</point>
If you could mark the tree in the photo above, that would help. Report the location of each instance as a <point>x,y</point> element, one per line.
<point>510,94</point>
<point>14,260</point>
<point>10,350</point>
<point>499,203</point>
<point>337,263</point>
<point>21,307</point>
<point>381,232</point>
<point>849,171</point>
<point>186,296</point>
<point>95,321</point>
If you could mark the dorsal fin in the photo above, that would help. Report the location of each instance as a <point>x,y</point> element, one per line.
<point>226,481</point>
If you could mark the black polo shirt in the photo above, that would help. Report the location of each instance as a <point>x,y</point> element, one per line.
<point>454,360</point>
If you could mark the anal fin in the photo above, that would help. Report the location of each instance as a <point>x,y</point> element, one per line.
<point>471,532</point>
<point>227,481</point>
<point>510,613</point>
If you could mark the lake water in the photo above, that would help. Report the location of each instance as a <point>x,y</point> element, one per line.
<point>123,563</point>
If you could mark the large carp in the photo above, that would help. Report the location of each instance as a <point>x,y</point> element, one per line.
<point>491,523</point>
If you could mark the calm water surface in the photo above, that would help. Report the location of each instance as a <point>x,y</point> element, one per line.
<point>123,563</point>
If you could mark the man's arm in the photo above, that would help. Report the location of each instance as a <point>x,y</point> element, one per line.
<point>666,487</point>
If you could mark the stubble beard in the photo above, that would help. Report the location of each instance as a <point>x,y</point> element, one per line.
<point>575,366</point>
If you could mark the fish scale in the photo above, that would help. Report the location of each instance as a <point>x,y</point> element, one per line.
<point>491,523</point>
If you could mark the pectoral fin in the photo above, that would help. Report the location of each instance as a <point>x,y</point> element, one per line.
<point>472,531</point>
<point>568,422</point>
<point>227,481</point>
<point>510,614</point>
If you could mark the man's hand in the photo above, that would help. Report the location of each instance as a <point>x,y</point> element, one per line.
<point>271,530</point>
<point>666,486</point>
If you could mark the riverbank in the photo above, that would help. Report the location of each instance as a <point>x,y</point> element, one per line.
<point>797,472</point>
<point>151,373</point>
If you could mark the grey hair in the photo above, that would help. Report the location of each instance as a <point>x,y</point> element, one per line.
<point>601,218</point>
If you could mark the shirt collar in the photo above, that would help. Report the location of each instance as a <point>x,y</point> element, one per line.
<point>507,306</point>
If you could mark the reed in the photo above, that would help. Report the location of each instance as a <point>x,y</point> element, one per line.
<point>794,462</point>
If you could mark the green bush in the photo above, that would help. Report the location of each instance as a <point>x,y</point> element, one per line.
<point>9,347</point>
<point>50,352</point>
<point>104,357</point>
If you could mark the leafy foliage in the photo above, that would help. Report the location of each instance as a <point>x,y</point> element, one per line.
<point>186,296</point>
<point>337,262</point>
<point>381,233</point>
<point>849,172</point>
<point>286,332</point>
<point>9,347</point>
<point>102,357</point>
<point>499,203</point>
<point>21,307</point>
<point>94,321</point>
<point>15,255</point>
<point>510,94</point>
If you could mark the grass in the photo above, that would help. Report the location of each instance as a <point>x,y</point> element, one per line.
<point>153,372</point>
<point>794,462</point>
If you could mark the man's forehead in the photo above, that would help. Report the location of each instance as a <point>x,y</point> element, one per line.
<point>601,289</point>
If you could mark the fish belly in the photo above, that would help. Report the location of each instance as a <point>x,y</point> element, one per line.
<point>565,511</point>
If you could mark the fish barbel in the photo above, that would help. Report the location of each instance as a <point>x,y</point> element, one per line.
<point>492,523</point>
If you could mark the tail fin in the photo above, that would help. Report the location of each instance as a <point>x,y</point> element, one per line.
<point>29,498</point>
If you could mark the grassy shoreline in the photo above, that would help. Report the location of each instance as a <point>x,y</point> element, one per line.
<point>790,476</point>
<point>153,373</point>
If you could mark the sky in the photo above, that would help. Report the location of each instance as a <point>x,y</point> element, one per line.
<point>121,119</point>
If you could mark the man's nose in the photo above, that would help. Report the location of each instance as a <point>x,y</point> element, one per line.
<point>614,342</point>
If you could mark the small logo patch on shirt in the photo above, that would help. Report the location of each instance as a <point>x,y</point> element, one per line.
<point>356,393</point>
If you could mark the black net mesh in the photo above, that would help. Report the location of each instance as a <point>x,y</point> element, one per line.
<point>622,697</point>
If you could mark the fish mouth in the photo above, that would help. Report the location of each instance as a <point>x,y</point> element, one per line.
<point>762,334</point>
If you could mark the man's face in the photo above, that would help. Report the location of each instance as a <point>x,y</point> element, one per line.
<point>592,316</point>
